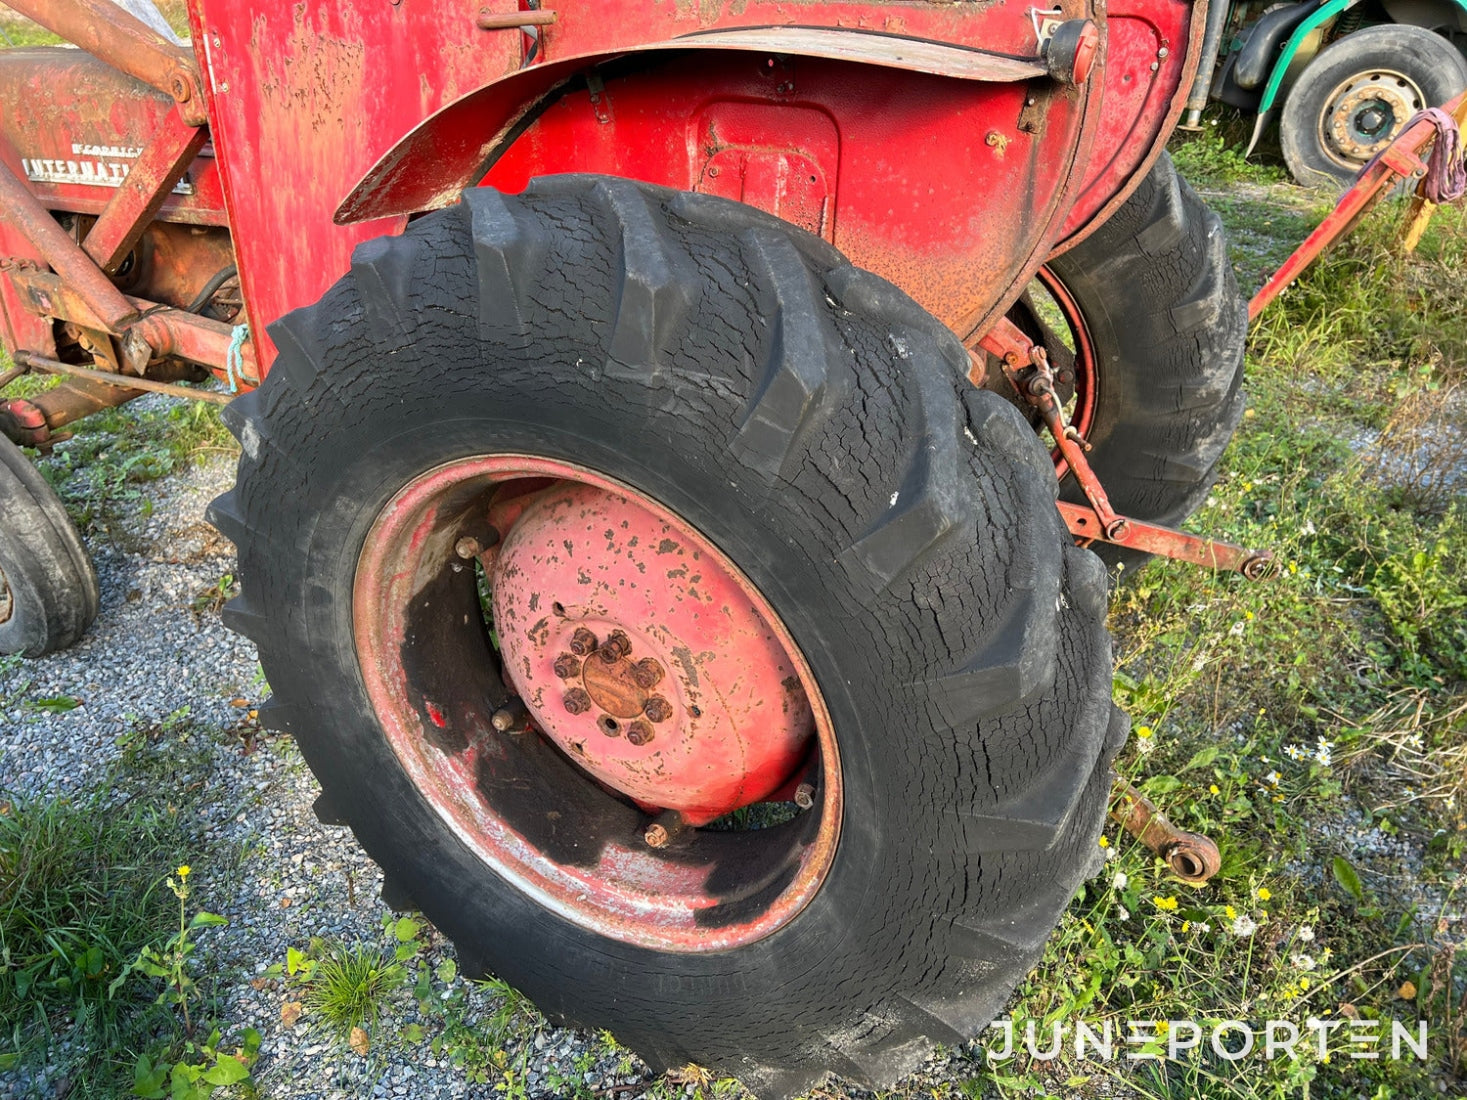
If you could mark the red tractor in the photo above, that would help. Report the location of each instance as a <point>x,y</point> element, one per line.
<point>642,513</point>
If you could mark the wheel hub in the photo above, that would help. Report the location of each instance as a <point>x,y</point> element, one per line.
<point>1365,113</point>
<point>653,676</point>
<point>652,669</point>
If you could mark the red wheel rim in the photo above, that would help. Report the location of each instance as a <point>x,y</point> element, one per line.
<point>558,804</point>
<point>1087,379</point>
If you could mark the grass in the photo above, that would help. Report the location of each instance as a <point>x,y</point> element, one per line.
<point>84,893</point>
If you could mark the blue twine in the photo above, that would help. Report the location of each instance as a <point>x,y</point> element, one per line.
<point>234,361</point>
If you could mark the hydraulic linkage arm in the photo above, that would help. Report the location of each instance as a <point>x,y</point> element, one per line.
<point>1026,366</point>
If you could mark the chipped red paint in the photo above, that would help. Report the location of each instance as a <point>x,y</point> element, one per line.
<point>557,823</point>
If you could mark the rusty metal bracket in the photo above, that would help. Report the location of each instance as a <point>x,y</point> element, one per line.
<point>1192,857</point>
<point>126,43</point>
<point>1026,366</point>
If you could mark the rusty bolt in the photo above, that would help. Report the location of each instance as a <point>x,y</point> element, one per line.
<point>582,642</point>
<point>512,714</point>
<point>805,796</point>
<point>655,836</point>
<point>639,733</point>
<point>615,647</point>
<point>576,701</point>
<point>181,89</point>
<point>467,547</point>
<point>646,673</point>
<point>657,708</point>
<point>567,665</point>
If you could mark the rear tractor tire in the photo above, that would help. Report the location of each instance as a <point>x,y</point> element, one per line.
<point>48,589</point>
<point>790,739</point>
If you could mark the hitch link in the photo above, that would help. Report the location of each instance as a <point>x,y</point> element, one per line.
<point>1026,366</point>
<point>1192,857</point>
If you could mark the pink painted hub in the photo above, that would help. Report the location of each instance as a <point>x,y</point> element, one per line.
<point>627,686</point>
<point>643,658</point>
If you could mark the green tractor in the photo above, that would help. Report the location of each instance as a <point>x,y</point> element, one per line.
<point>1341,77</point>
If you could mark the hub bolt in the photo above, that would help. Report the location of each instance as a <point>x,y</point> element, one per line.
<point>646,673</point>
<point>582,642</point>
<point>657,708</point>
<point>615,648</point>
<point>576,701</point>
<point>467,547</point>
<point>639,733</point>
<point>805,796</point>
<point>567,665</point>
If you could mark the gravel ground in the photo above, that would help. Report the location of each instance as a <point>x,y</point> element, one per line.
<point>155,660</point>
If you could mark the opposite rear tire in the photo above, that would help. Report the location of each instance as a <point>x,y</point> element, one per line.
<point>814,426</point>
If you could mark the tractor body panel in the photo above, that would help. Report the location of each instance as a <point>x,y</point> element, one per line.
<point>955,187</point>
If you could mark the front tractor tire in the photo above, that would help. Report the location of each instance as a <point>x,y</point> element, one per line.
<point>726,499</point>
<point>48,588</point>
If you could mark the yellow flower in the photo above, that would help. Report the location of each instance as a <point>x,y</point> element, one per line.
<point>1264,893</point>
<point>1213,789</point>
<point>1230,912</point>
<point>1168,904</point>
<point>1104,842</point>
<point>184,870</point>
<point>1186,926</point>
<point>1303,983</point>
<point>1143,731</point>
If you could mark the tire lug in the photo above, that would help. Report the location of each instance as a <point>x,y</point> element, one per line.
<point>510,716</point>
<point>567,665</point>
<point>617,646</point>
<point>576,701</point>
<point>657,708</point>
<point>582,642</point>
<point>646,673</point>
<point>805,795</point>
<point>639,733</point>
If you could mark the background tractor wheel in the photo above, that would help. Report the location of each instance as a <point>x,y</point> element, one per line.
<point>1358,93</point>
<point>1144,324</point>
<point>791,738</point>
<point>48,589</point>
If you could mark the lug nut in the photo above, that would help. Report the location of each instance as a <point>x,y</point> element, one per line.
<point>576,701</point>
<point>646,673</point>
<point>507,717</point>
<point>805,796</point>
<point>655,836</point>
<point>467,547</point>
<point>615,648</point>
<point>582,642</point>
<point>657,708</point>
<point>567,665</point>
<point>639,733</point>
